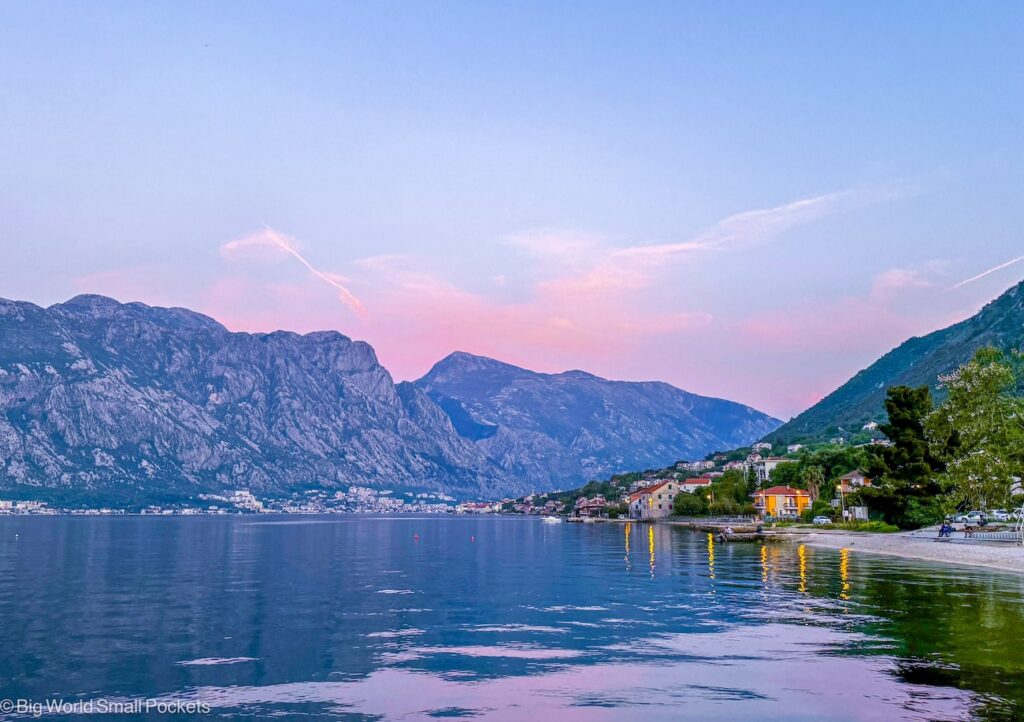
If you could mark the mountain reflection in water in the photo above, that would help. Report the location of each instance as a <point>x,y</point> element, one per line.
<point>497,618</point>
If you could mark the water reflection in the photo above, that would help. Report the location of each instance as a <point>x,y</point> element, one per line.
<point>350,616</point>
<point>711,555</point>
<point>802,555</point>
<point>844,573</point>
<point>650,546</point>
<point>628,529</point>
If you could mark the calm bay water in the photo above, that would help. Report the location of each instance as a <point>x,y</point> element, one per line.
<point>352,617</point>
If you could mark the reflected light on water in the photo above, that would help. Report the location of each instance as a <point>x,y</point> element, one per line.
<point>349,620</point>
<point>628,531</point>
<point>844,573</point>
<point>802,554</point>
<point>650,546</point>
<point>711,555</point>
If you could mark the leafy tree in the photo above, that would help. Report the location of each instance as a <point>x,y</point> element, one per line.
<point>835,461</point>
<point>788,474</point>
<point>686,504</point>
<point>731,486</point>
<point>725,507</point>
<point>979,429</point>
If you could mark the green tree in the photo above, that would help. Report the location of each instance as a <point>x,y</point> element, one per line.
<point>979,429</point>
<point>813,480</point>
<point>731,486</point>
<point>909,459</point>
<point>789,473</point>
<point>725,507</point>
<point>752,482</point>
<point>686,504</point>
<point>905,490</point>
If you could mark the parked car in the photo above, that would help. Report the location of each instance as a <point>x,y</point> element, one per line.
<point>822,520</point>
<point>973,518</point>
<point>999,515</point>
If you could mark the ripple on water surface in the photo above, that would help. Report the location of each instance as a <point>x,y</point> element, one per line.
<point>512,619</point>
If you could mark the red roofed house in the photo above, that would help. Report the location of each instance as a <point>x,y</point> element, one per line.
<point>781,501</point>
<point>592,507</point>
<point>655,501</point>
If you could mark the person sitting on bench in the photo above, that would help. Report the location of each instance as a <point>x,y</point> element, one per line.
<point>968,531</point>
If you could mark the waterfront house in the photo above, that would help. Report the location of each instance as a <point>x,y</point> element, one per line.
<point>781,501</point>
<point>654,502</point>
<point>849,483</point>
<point>592,507</point>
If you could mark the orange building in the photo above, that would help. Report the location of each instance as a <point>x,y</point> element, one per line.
<point>781,501</point>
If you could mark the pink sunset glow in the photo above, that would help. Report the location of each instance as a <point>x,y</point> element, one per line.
<point>624,311</point>
<point>739,216</point>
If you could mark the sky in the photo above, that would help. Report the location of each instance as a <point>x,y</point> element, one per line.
<point>751,201</point>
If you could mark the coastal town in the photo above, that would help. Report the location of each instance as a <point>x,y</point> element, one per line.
<point>651,494</point>
<point>354,500</point>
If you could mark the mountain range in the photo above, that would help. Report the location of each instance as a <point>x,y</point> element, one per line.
<point>561,427</point>
<point>131,403</point>
<point>918,361</point>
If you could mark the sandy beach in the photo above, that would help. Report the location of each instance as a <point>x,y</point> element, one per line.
<point>923,546</point>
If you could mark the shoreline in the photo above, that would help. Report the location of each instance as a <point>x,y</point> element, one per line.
<point>996,556</point>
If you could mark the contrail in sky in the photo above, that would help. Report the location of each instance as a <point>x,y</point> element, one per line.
<point>981,275</point>
<point>270,237</point>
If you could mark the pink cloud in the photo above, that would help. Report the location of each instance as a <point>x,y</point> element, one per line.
<point>617,310</point>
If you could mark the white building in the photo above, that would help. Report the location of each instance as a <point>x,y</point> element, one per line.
<point>654,502</point>
<point>765,467</point>
<point>692,485</point>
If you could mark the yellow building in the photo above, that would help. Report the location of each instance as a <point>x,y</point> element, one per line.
<point>781,501</point>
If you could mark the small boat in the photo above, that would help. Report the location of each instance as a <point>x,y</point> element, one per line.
<point>551,520</point>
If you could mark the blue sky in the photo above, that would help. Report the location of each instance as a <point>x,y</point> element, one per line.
<point>747,201</point>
